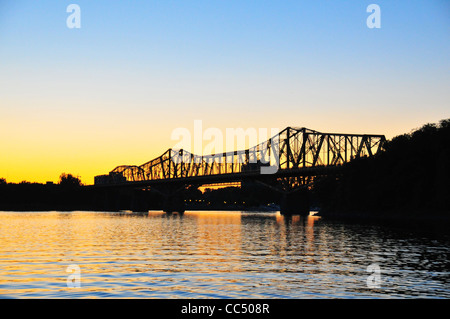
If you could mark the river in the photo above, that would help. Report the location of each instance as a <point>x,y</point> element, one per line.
<point>212,254</point>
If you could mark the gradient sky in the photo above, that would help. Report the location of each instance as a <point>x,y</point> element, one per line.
<point>83,101</point>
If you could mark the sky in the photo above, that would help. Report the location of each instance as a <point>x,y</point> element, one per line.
<point>85,100</point>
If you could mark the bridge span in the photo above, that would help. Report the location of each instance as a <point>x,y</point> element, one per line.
<point>287,163</point>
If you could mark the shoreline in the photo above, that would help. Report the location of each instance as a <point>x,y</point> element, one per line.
<point>388,216</point>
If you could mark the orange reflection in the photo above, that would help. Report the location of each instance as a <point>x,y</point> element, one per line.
<point>218,234</point>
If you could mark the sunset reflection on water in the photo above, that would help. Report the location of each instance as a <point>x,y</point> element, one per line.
<point>212,254</point>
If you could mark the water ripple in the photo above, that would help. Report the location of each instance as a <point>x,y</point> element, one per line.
<point>214,255</point>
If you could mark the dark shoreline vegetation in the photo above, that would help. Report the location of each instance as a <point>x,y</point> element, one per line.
<point>409,179</point>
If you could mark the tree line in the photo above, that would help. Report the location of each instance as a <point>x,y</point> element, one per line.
<point>411,176</point>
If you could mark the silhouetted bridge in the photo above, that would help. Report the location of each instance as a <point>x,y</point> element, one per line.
<point>288,163</point>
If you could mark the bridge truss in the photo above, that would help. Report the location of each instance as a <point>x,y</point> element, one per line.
<point>287,155</point>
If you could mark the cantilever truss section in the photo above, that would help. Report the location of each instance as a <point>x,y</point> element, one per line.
<point>291,149</point>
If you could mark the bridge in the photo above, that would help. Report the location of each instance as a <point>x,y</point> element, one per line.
<point>287,163</point>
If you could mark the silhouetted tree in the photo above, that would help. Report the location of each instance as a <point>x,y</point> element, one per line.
<point>2,181</point>
<point>68,180</point>
<point>411,176</point>
<point>192,192</point>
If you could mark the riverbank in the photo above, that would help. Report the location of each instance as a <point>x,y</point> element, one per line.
<point>424,222</point>
<point>409,180</point>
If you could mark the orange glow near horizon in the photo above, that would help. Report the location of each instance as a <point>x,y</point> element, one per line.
<point>86,144</point>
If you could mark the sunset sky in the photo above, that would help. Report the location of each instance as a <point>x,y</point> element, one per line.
<point>83,101</point>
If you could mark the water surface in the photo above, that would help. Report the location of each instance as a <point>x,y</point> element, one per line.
<point>215,255</point>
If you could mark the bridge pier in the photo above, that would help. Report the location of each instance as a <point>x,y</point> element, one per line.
<point>109,200</point>
<point>139,201</point>
<point>173,198</point>
<point>295,203</point>
<point>174,202</point>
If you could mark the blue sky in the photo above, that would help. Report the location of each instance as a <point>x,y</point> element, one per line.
<point>139,69</point>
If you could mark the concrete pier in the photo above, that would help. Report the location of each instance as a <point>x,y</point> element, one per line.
<point>296,203</point>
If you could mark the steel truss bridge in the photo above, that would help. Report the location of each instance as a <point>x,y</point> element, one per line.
<point>287,162</point>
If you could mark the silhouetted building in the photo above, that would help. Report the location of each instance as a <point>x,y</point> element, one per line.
<point>111,178</point>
